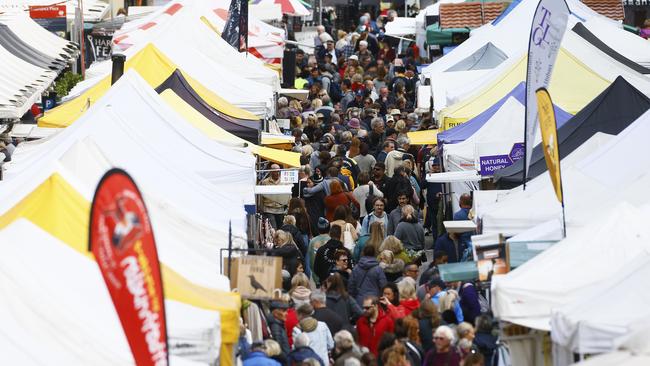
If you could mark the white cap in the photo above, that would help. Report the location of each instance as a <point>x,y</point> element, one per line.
<point>353,57</point>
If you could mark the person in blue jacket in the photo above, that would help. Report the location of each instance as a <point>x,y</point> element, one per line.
<point>257,357</point>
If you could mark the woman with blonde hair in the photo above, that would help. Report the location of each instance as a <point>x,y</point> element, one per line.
<point>449,307</point>
<point>273,350</point>
<point>374,239</point>
<point>287,250</point>
<point>393,267</point>
<point>393,244</point>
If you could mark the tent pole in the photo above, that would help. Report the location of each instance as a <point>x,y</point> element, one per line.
<point>229,248</point>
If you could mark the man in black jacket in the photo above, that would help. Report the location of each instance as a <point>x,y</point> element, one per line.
<point>323,314</point>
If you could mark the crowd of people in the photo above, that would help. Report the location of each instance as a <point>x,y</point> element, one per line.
<point>355,233</point>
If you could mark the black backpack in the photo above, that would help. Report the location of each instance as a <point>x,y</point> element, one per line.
<point>370,200</point>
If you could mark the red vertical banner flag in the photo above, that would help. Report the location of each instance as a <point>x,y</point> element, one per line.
<point>122,240</point>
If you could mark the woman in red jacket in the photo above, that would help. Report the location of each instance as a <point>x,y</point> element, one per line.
<point>407,299</point>
<point>337,198</point>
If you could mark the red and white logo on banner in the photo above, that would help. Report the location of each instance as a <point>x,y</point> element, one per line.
<point>122,241</point>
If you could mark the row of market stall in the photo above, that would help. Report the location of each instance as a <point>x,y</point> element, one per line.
<point>585,292</point>
<point>192,147</point>
<point>32,59</point>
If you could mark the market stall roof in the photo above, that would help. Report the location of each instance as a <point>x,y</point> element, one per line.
<point>154,67</point>
<point>428,137</point>
<point>469,14</point>
<point>193,187</point>
<point>502,130</point>
<point>486,57</point>
<point>217,133</point>
<point>12,43</point>
<point>612,9</point>
<point>527,295</point>
<point>294,8</point>
<point>49,279</point>
<point>451,177</point>
<point>585,55</point>
<point>38,37</point>
<point>508,211</point>
<point>401,26</point>
<point>633,349</point>
<point>599,115</point>
<point>626,179</point>
<point>183,28</point>
<point>572,86</point>
<point>21,84</point>
<point>584,32</point>
<point>510,34</point>
<point>592,323</point>
<point>245,129</point>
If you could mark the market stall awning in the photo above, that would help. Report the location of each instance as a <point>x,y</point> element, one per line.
<point>154,67</point>
<point>428,137</point>
<point>217,133</point>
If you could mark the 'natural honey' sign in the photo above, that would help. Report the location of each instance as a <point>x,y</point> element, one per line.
<point>256,277</point>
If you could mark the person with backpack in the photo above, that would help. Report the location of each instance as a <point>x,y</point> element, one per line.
<point>367,277</point>
<point>365,193</point>
<point>378,214</point>
<point>325,258</point>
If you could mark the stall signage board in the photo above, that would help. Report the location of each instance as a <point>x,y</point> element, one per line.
<point>255,277</point>
<point>50,17</point>
<point>491,163</point>
<point>288,176</point>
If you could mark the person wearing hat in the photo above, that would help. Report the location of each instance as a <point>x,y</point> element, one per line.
<point>317,242</point>
<point>276,320</point>
<point>358,99</point>
<point>320,337</point>
<point>258,356</point>
<point>354,124</point>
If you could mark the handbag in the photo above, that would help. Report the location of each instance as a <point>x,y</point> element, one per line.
<point>354,208</point>
<point>348,239</point>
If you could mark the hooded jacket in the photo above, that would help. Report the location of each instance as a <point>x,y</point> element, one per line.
<point>411,233</point>
<point>404,308</point>
<point>367,279</point>
<point>346,307</point>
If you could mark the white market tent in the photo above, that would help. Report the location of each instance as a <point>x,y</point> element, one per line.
<point>592,323</point>
<point>401,27</point>
<point>21,81</point>
<point>500,132</point>
<point>612,241</point>
<point>192,186</point>
<point>186,32</point>
<point>59,311</point>
<point>191,44</point>
<point>593,58</point>
<point>634,350</point>
<point>38,37</point>
<point>510,34</point>
<point>505,212</point>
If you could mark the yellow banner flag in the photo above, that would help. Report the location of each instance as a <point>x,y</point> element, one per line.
<point>548,128</point>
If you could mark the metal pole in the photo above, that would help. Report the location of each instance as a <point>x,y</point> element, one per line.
<point>229,248</point>
<point>320,12</point>
<point>83,40</point>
